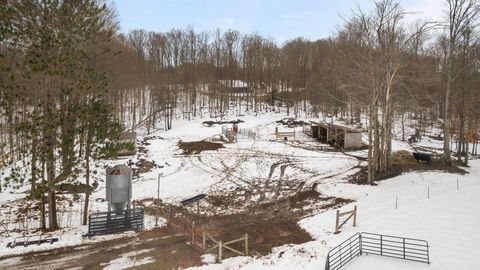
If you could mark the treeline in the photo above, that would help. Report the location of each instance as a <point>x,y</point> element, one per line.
<point>55,109</point>
<point>376,65</point>
<point>70,82</point>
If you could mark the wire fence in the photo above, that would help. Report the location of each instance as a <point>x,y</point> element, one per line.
<point>183,225</point>
<point>240,134</point>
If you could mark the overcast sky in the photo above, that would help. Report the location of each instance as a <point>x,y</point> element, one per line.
<point>279,19</point>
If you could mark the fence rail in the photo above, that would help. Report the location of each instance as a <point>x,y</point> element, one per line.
<point>32,239</point>
<point>396,247</point>
<point>210,244</point>
<point>344,253</point>
<point>377,244</point>
<point>199,239</point>
<point>349,215</point>
<point>239,133</point>
<point>186,227</point>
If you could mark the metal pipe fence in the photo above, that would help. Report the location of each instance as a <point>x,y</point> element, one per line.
<point>109,222</point>
<point>377,244</point>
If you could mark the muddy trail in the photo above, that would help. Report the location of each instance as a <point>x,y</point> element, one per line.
<point>165,251</point>
<point>270,224</point>
<point>361,177</point>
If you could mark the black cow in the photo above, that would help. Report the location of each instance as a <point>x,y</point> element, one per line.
<point>422,156</point>
<point>413,139</point>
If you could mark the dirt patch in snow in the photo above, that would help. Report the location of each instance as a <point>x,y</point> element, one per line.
<point>197,147</point>
<point>268,223</point>
<point>271,224</point>
<point>290,122</point>
<point>361,177</point>
<point>211,123</point>
<point>143,166</point>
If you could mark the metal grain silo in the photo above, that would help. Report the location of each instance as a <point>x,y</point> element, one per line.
<point>119,187</point>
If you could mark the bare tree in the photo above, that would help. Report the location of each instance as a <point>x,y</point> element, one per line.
<point>461,16</point>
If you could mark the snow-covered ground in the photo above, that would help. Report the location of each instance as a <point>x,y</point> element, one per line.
<point>248,165</point>
<point>448,220</point>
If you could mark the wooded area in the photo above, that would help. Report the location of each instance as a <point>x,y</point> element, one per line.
<point>70,82</point>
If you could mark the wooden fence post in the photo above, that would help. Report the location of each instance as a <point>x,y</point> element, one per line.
<point>246,244</point>
<point>193,233</point>
<point>204,240</point>
<point>355,216</point>
<point>337,221</point>
<point>220,251</point>
<point>169,215</point>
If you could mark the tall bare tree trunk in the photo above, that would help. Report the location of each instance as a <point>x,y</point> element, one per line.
<point>446,105</point>
<point>371,168</point>
<point>50,162</point>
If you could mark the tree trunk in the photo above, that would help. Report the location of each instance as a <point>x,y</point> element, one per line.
<point>371,173</point>
<point>50,162</point>
<point>87,179</point>
<point>34,167</point>
<point>446,105</point>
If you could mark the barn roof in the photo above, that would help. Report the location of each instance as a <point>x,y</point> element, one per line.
<point>336,125</point>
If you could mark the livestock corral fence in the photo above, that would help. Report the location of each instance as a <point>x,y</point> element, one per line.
<point>240,134</point>
<point>199,239</point>
<point>377,244</point>
<point>108,222</point>
<point>284,135</point>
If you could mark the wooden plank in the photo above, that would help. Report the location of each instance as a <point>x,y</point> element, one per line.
<point>347,213</point>
<point>355,216</point>
<point>345,221</point>
<point>211,239</point>
<point>246,244</point>
<point>337,221</point>
<point>234,250</point>
<point>234,241</point>
<point>212,248</point>
<point>193,232</point>
<point>219,251</point>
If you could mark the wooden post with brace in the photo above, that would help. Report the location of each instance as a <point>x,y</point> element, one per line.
<point>350,214</point>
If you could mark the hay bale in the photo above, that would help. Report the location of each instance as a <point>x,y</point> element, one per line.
<point>402,157</point>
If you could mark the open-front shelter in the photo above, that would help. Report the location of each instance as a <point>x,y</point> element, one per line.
<point>335,134</point>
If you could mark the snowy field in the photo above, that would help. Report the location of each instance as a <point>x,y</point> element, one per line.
<point>263,170</point>
<point>247,166</point>
<point>448,220</point>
